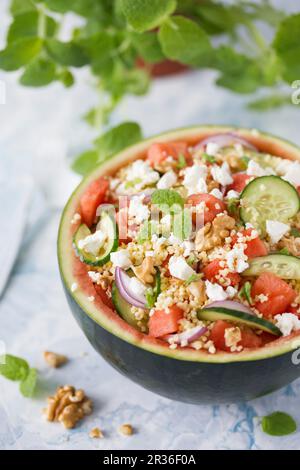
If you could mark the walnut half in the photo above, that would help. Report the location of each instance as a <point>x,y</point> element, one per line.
<point>213,234</point>
<point>68,406</point>
<point>145,272</point>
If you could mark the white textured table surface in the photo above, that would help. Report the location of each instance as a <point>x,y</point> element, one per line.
<point>40,130</point>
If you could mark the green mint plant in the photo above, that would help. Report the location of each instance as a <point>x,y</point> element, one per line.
<point>116,36</point>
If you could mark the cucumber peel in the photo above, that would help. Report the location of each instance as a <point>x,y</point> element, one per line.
<point>236,316</point>
<point>284,266</point>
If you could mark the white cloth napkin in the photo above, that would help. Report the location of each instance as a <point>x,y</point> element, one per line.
<point>15,197</point>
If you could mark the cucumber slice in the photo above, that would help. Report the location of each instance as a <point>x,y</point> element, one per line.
<point>108,226</point>
<point>124,308</point>
<point>236,316</point>
<point>268,198</point>
<point>284,266</point>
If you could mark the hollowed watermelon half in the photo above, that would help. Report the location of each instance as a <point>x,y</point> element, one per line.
<point>182,374</point>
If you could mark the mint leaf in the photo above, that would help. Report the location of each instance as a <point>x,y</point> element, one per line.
<point>153,292</point>
<point>19,53</point>
<point>239,72</point>
<point>295,232</point>
<point>28,385</point>
<point>85,162</point>
<point>287,47</point>
<point>278,424</point>
<point>40,72</point>
<point>66,78</point>
<point>284,251</point>
<point>245,292</point>
<point>184,41</point>
<point>117,138</point>
<point>106,145</point>
<point>143,15</point>
<point>96,9</point>
<point>181,162</point>
<point>26,24</point>
<point>270,102</point>
<point>17,7</point>
<point>208,158</point>
<point>13,367</point>
<point>168,200</point>
<point>193,278</point>
<point>191,260</point>
<point>68,54</point>
<point>100,48</point>
<point>148,46</point>
<point>245,161</point>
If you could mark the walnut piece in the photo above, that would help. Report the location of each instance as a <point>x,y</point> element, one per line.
<point>68,406</point>
<point>145,272</point>
<point>96,433</point>
<point>213,234</point>
<point>197,289</point>
<point>55,360</point>
<point>125,430</point>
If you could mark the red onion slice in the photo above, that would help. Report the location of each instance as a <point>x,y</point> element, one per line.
<point>123,284</point>
<point>187,336</point>
<point>230,304</point>
<point>225,140</point>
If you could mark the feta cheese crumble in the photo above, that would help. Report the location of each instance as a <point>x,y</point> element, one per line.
<point>216,292</point>
<point>254,169</point>
<point>138,175</point>
<point>276,230</point>
<point>167,180</point>
<point>292,174</point>
<point>217,193</point>
<point>221,174</point>
<point>179,268</point>
<point>232,194</point>
<point>92,243</point>
<point>188,247</point>
<point>236,258</point>
<point>195,179</point>
<point>120,259</point>
<point>287,322</point>
<point>212,149</point>
<point>137,210</point>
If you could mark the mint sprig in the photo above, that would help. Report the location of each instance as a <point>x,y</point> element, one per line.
<point>122,41</point>
<point>168,200</point>
<point>17,369</point>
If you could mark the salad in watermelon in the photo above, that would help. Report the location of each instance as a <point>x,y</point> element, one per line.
<point>195,244</point>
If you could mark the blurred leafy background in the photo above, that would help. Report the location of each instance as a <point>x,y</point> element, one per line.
<point>125,44</point>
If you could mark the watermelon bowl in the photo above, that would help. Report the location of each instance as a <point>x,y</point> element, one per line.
<point>182,374</point>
